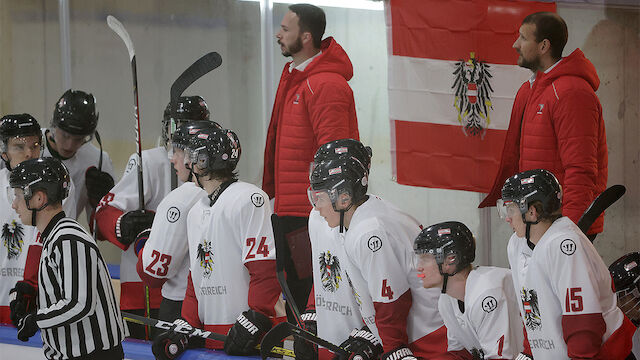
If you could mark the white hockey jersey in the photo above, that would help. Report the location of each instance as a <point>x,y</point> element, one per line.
<point>491,320</point>
<point>379,248</point>
<point>336,308</point>
<point>166,252</point>
<point>87,156</point>
<point>562,275</point>
<point>223,239</point>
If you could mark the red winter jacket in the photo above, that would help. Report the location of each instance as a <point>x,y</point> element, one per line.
<point>312,107</point>
<point>556,124</point>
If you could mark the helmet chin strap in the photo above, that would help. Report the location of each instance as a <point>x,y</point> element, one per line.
<point>445,277</point>
<point>528,229</point>
<point>35,211</point>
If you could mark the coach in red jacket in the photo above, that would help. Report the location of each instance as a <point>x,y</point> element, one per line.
<point>556,121</point>
<point>313,105</point>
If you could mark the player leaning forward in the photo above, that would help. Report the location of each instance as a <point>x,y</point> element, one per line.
<point>77,310</point>
<point>378,242</point>
<point>479,306</point>
<point>232,254</point>
<point>567,303</point>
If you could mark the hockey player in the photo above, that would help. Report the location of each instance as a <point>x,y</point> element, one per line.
<point>20,140</point>
<point>626,279</point>
<point>567,304</point>
<point>332,310</point>
<point>479,306</point>
<point>163,252</point>
<point>379,248</point>
<point>232,254</point>
<point>76,307</point>
<point>74,124</point>
<point>118,220</point>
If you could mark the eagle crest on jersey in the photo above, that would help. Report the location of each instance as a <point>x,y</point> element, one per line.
<point>205,255</point>
<point>532,318</point>
<point>12,238</point>
<point>330,271</point>
<point>353,290</point>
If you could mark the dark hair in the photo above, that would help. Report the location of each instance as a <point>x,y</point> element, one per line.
<point>310,19</point>
<point>552,27</point>
<point>542,215</point>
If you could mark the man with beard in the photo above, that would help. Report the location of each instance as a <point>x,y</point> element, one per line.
<point>556,121</point>
<point>313,105</point>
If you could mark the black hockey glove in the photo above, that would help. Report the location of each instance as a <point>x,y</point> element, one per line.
<point>132,223</point>
<point>98,184</point>
<point>477,354</point>
<point>169,344</point>
<point>523,356</point>
<point>27,326</point>
<point>401,352</point>
<point>362,345</point>
<point>141,239</point>
<point>306,350</point>
<point>22,301</point>
<point>246,333</point>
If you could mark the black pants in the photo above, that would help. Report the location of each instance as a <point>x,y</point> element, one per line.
<point>137,331</point>
<point>170,310</point>
<point>115,353</point>
<point>297,256</point>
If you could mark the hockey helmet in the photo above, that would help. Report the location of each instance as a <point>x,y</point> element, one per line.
<point>47,174</point>
<point>336,177</point>
<point>75,113</point>
<point>522,189</point>
<point>344,148</point>
<point>188,108</point>
<point>180,138</point>
<point>449,238</point>
<point>213,149</point>
<point>626,279</point>
<point>18,125</point>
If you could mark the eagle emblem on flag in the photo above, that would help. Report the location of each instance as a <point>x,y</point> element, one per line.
<point>330,271</point>
<point>12,238</point>
<point>205,255</point>
<point>472,90</point>
<point>531,309</point>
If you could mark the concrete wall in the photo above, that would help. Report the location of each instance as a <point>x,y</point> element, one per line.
<point>170,35</point>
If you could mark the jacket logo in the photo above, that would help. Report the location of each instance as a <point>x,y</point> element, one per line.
<point>205,255</point>
<point>330,271</point>
<point>540,108</point>
<point>472,91</point>
<point>531,308</point>
<point>296,100</point>
<point>12,238</point>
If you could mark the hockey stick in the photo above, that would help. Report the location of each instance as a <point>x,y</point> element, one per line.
<point>280,244</point>
<point>190,331</point>
<point>284,329</point>
<point>599,205</point>
<point>95,223</point>
<point>119,29</point>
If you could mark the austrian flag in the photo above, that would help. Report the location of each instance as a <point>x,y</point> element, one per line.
<point>453,76</point>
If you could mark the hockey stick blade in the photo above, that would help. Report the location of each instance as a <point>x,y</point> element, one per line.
<point>280,244</point>
<point>164,325</point>
<point>599,205</point>
<point>119,29</point>
<point>194,72</point>
<point>279,332</point>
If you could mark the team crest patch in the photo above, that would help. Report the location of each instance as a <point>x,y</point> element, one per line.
<point>531,308</point>
<point>330,271</point>
<point>173,214</point>
<point>489,304</point>
<point>12,238</point>
<point>568,247</point>
<point>374,243</point>
<point>257,200</point>
<point>472,90</point>
<point>205,255</point>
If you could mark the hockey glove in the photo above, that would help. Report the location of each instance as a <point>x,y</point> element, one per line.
<point>98,184</point>
<point>246,333</point>
<point>401,352</point>
<point>22,301</point>
<point>523,356</point>
<point>27,326</point>
<point>306,350</point>
<point>362,345</point>
<point>141,239</point>
<point>132,223</point>
<point>170,344</point>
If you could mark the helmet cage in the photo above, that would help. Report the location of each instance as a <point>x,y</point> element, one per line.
<point>337,177</point>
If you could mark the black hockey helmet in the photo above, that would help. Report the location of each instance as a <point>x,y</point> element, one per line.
<point>344,148</point>
<point>346,175</point>
<point>626,280</point>
<point>447,238</point>
<point>17,125</point>
<point>213,149</point>
<point>75,113</point>
<point>184,132</point>
<point>528,186</point>
<point>48,174</point>
<point>188,108</point>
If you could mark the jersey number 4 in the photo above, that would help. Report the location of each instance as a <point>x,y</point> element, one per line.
<point>262,249</point>
<point>386,290</point>
<point>164,261</point>
<point>573,301</point>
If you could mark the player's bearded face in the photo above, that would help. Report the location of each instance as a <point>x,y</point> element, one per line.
<point>289,36</point>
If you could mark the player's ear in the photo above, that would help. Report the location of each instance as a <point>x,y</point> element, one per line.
<point>450,263</point>
<point>344,199</point>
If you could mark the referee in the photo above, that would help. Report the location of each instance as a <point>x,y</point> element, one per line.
<point>77,310</point>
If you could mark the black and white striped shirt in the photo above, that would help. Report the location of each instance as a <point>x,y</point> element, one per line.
<point>77,309</point>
